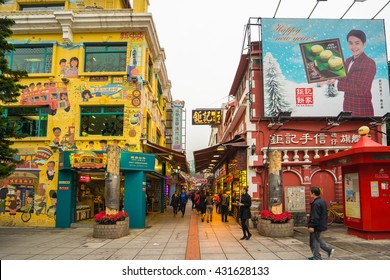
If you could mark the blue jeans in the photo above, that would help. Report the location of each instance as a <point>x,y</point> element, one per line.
<point>316,243</point>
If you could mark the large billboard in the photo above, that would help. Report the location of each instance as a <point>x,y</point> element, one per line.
<point>320,67</point>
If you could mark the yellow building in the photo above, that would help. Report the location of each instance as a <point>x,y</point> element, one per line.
<point>96,77</point>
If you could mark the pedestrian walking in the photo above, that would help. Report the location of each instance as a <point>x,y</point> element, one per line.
<point>217,202</point>
<point>175,203</point>
<point>245,212</point>
<point>202,204</point>
<point>225,206</point>
<point>183,198</point>
<point>318,222</point>
<point>209,206</point>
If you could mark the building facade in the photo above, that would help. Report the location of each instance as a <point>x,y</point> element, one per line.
<point>272,152</point>
<point>96,79</point>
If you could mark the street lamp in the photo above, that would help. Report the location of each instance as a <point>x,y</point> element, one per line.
<point>315,7</point>
<point>353,3</point>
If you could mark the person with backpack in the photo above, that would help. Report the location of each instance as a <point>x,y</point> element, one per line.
<point>183,198</point>
<point>225,206</point>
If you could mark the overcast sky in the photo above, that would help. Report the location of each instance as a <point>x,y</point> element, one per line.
<point>203,43</point>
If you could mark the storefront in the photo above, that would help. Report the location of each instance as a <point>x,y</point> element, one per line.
<point>81,186</point>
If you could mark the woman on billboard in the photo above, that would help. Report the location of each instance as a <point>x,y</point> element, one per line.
<point>361,71</point>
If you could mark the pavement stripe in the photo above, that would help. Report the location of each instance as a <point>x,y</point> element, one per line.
<point>193,248</point>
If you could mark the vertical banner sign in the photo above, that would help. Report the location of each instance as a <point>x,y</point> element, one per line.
<point>177,127</point>
<point>112,183</point>
<point>320,67</point>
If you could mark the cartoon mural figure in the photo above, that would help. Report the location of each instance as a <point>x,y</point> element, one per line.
<point>73,71</point>
<point>64,102</point>
<point>51,210</point>
<point>3,196</point>
<point>62,66</point>
<point>28,206</point>
<point>135,119</point>
<point>86,95</point>
<point>91,145</point>
<point>103,145</point>
<point>57,134</point>
<point>53,104</point>
<point>15,203</point>
<point>42,155</point>
<point>40,200</point>
<point>50,172</point>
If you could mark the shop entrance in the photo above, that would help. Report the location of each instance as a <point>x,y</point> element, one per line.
<point>90,195</point>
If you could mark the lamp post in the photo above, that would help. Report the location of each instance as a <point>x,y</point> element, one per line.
<point>353,3</point>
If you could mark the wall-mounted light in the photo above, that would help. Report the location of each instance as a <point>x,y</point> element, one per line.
<point>341,117</point>
<point>253,149</point>
<point>221,148</point>
<point>65,80</point>
<point>281,118</point>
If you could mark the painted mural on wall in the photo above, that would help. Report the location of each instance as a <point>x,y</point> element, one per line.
<point>29,196</point>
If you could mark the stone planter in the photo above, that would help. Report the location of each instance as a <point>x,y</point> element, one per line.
<point>266,228</point>
<point>111,231</point>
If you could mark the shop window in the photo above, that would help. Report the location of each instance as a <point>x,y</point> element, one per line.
<point>105,121</point>
<point>32,59</point>
<point>27,121</point>
<point>105,58</point>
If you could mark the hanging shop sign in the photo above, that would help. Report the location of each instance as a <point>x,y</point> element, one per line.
<point>88,160</point>
<point>206,117</point>
<point>137,161</point>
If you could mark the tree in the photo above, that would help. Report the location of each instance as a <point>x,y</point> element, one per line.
<point>9,93</point>
<point>274,87</point>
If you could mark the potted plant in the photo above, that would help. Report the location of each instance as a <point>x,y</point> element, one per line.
<point>111,226</point>
<point>275,225</point>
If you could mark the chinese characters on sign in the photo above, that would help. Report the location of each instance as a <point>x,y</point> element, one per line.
<point>304,96</point>
<point>206,117</point>
<point>332,139</point>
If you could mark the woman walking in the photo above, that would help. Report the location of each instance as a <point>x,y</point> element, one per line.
<point>175,203</point>
<point>245,212</point>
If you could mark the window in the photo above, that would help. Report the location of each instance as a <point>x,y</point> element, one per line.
<point>106,58</point>
<point>33,59</point>
<point>106,121</point>
<point>28,121</point>
<point>49,7</point>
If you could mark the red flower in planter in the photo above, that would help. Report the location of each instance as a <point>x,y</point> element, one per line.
<point>275,218</point>
<point>110,219</point>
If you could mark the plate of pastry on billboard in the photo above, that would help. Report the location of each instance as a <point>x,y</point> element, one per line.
<point>323,60</point>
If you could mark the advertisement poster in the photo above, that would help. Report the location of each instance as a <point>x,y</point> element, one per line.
<point>352,196</point>
<point>323,60</point>
<point>311,70</point>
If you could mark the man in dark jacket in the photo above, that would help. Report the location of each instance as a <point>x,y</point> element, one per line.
<point>318,223</point>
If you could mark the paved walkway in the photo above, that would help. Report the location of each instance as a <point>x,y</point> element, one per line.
<point>175,238</point>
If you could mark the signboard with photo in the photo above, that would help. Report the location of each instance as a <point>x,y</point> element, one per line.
<point>323,60</point>
<point>344,67</point>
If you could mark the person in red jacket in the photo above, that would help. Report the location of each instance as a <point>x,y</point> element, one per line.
<point>361,71</point>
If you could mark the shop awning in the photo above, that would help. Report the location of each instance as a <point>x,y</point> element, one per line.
<point>177,159</point>
<point>203,158</point>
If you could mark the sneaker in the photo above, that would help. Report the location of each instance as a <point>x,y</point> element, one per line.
<point>242,238</point>
<point>311,258</point>
<point>330,254</point>
<point>249,236</point>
